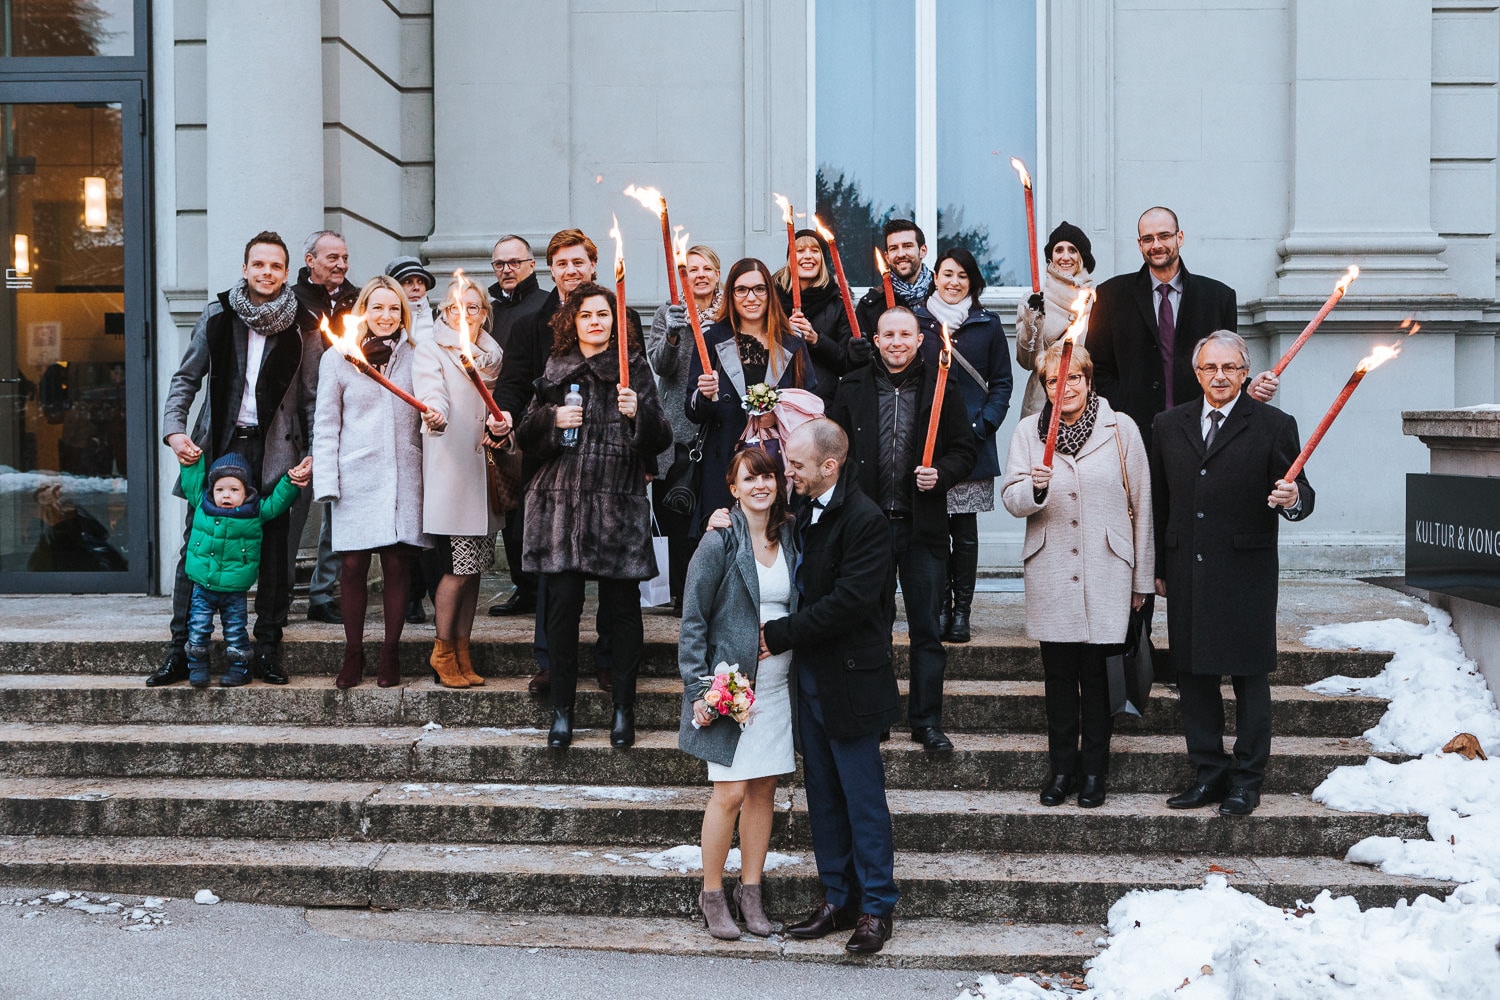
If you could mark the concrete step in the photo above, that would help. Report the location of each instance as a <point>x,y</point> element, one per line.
<point>607,880</point>
<point>1138,762</point>
<point>968,706</point>
<point>646,816</point>
<point>999,658</point>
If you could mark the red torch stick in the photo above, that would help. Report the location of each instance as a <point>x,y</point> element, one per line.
<point>1081,307</point>
<point>622,324</point>
<point>692,304</point>
<point>1307,331</point>
<point>348,348</point>
<point>791,251</point>
<point>838,271</point>
<point>1379,357</point>
<point>945,359</point>
<point>653,200</point>
<point>885,278</point>
<point>1036,274</point>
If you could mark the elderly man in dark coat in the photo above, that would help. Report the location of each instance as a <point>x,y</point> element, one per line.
<point>846,688</point>
<point>1217,494</point>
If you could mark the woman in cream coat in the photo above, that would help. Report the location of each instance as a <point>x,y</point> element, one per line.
<point>455,505</point>
<point>1086,564</point>
<point>1044,317</point>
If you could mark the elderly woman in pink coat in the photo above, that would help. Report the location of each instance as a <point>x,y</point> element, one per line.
<point>1088,559</point>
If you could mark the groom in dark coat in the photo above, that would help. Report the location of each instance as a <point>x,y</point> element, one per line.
<point>846,688</point>
<point>1218,496</point>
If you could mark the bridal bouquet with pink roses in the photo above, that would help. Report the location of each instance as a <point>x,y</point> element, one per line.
<point>729,693</point>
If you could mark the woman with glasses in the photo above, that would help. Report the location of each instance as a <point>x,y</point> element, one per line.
<point>455,503</point>
<point>670,347</point>
<point>753,343</point>
<point>1088,561</point>
<point>1044,317</point>
<point>821,322</point>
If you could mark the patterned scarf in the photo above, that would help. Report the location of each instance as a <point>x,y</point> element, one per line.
<point>268,318</point>
<point>916,293</point>
<point>1070,437</point>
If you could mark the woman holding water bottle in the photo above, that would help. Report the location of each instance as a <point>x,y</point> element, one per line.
<point>587,510</point>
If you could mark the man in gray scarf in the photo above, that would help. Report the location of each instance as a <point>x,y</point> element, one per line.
<point>911,278</point>
<point>247,347</point>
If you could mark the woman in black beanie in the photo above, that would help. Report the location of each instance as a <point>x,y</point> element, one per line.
<point>1043,318</point>
<point>821,323</point>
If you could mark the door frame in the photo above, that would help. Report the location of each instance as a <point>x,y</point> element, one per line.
<point>140,395</point>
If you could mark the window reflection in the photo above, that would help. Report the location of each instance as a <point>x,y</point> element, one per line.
<point>69,27</point>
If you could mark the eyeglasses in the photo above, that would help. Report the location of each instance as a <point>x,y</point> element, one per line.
<point>1151,238</point>
<point>1215,369</point>
<point>510,265</point>
<point>1075,378</point>
<point>470,308</point>
<point>747,291</point>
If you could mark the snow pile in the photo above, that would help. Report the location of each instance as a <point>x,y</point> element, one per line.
<point>1019,988</point>
<point>689,858</point>
<point>1436,691</point>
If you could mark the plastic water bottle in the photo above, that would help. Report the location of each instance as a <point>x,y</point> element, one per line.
<point>573,398</point>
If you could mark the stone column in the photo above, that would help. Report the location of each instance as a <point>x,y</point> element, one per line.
<point>1362,141</point>
<point>265,129</point>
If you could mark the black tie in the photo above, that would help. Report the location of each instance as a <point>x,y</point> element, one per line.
<point>1214,418</point>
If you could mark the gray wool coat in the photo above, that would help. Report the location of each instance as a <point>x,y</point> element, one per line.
<point>367,454</point>
<point>721,624</point>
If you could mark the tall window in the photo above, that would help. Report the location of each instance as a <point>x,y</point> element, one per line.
<point>919,106</point>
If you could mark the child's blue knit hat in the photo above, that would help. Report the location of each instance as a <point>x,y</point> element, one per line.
<point>230,465</point>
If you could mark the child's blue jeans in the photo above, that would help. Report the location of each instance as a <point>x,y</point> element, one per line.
<point>234,614</point>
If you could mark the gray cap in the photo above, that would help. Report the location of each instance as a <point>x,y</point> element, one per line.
<point>402,268</point>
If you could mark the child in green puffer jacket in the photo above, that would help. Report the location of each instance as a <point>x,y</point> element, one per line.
<point>223,555</point>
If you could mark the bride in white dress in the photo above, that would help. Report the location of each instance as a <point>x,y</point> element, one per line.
<point>741,576</point>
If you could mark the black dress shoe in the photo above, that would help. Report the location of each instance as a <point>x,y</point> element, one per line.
<point>622,730</point>
<point>561,733</point>
<point>1091,795</point>
<point>516,604</point>
<point>173,669</point>
<point>1057,790</point>
<point>932,739</point>
<point>267,669</point>
<point>328,613</point>
<point>1196,797</point>
<point>959,630</point>
<point>870,934</point>
<point>605,679</point>
<point>822,921</point>
<point>1239,801</point>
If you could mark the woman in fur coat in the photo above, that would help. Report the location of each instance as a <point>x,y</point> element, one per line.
<point>587,512</point>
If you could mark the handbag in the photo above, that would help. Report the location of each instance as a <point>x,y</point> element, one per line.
<point>1131,672</point>
<point>680,488</point>
<point>502,470</point>
<point>658,590</point>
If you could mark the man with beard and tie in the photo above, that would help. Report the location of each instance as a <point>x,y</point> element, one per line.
<point>846,687</point>
<point>246,351</point>
<point>911,279</point>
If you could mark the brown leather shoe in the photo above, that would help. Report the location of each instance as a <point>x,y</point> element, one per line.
<point>540,683</point>
<point>870,934</point>
<point>821,922</point>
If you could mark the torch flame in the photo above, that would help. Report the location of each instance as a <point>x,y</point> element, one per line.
<point>1020,168</point>
<point>1410,325</point>
<point>880,262</point>
<point>651,199</point>
<point>1347,279</point>
<point>786,207</point>
<point>346,343</point>
<point>614,231</point>
<point>823,230</point>
<point>679,245</point>
<point>465,337</point>
<point>945,358</point>
<point>1377,357</point>
<point>1082,306</point>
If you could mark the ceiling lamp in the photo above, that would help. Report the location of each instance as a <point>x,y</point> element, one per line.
<point>95,207</point>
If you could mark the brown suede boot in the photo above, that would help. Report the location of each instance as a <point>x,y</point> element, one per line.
<point>465,665</point>
<point>747,898</point>
<point>716,915</point>
<point>445,665</point>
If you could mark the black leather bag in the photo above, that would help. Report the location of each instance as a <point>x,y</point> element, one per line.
<point>680,494</point>
<point>1131,672</point>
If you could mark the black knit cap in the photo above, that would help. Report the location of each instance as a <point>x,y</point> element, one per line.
<point>402,268</point>
<point>822,243</point>
<point>1066,232</point>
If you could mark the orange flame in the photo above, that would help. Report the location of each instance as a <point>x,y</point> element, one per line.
<point>1377,357</point>
<point>614,231</point>
<point>465,337</point>
<point>651,199</point>
<point>1020,168</point>
<point>346,343</point>
<point>1347,279</point>
<point>1410,325</point>
<point>880,262</point>
<point>1082,306</point>
<point>945,356</point>
<point>823,230</point>
<point>786,208</point>
<point>679,245</point>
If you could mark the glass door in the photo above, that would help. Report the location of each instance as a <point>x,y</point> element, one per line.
<point>75,456</point>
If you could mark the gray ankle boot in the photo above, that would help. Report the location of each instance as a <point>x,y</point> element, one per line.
<point>747,898</point>
<point>716,915</point>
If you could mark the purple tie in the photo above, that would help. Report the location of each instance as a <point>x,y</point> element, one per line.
<point>1167,328</point>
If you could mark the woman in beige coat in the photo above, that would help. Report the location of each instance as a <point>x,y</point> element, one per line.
<point>1086,564</point>
<point>455,499</point>
<point>1042,319</point>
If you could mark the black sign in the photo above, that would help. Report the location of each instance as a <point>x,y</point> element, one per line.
<point>1453,536</point>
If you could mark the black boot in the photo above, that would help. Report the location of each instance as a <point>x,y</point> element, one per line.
<point>622,731</point>
<point>945,616</point>
<point>959,632</point>
<point>173,669</point>
<point>561,733</point>
<point>963,566</point>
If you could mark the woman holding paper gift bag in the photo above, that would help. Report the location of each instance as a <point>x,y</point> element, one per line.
<point>740,577</point>
<point>1088,561</point>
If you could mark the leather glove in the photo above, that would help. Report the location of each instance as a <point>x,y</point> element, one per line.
<point>1036,303</point>
<point>677,318</point>
<point>857,352</point>
<point>377,350</point>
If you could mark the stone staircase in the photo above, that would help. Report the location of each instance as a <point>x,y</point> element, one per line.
<point>309,796</point>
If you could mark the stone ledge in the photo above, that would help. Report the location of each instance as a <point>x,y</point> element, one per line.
<point>1454,427</point>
